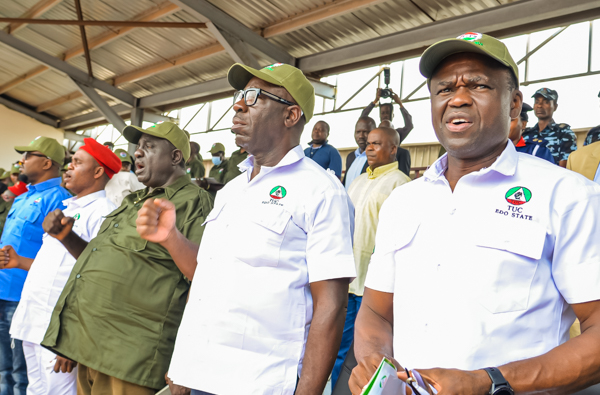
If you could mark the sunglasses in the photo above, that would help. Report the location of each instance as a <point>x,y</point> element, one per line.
<point>251,95</point>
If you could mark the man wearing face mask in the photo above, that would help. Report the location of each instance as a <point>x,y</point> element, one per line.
<point>219,169</point>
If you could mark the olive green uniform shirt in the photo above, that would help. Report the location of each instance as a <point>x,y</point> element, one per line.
<point>195,167</point>
<point>121,307</point>
<point>4,209</point>
<point>218,172</point>
<point>232,165</point>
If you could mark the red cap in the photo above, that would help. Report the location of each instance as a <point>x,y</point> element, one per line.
<point>19,188</point>
<point>103,155</point>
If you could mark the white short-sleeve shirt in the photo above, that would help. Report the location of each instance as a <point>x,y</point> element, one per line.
<point>52,266</point>
<point>247,319</point>
<point>484,275</point>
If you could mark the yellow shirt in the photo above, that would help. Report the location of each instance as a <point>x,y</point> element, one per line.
<point>368,192</point>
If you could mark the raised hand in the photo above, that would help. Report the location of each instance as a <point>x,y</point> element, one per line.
<point>156,220</point>
<point>57,225</point>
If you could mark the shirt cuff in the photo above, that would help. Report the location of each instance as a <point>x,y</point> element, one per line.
<point>328,269</point>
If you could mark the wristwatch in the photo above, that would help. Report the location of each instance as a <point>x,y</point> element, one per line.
<point>500,385</point>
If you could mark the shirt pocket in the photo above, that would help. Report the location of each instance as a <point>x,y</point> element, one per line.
<point>259,242</point>
<point>506,272</point>
<point>109,219</point>
<point>31,229</point>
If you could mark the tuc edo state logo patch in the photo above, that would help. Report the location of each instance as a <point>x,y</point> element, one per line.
<point>470,36</point>
<point>278,192</point>
<point>518,195</point>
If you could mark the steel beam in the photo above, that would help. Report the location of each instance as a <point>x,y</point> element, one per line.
<point>122,110</point>
<point>209,88</point>
<point>74,137</point>
<point>237,49</point>
<point>206,11</point>
<point>43,118</point>
<point>73,72</point>
<point>102,106</point>
<point>494,19</point>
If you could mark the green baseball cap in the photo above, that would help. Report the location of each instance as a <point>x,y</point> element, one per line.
<point>47,146</point>
<point>124,156</point>
<point>280,74</point>
<point>166,130</point>
<point>15,169</point>
<point>468,42</point>
<point>4,174</point>
<point>217,147</point>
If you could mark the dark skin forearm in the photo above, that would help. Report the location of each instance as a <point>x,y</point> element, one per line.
<point>74,244</point>
<point>183,252</point>
<point>373,331</point>
<point>568,368</point>
<point>330,300</point>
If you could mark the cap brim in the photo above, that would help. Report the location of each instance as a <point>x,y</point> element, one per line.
<point>134,133</point>
<point>549,97</point>
<point>23,149</point>
<point>435,54</point>
<point>239,75</point>
<point>526,107</point>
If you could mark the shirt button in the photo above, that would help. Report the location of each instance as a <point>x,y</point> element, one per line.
<point>116,225</point>
<point>94,249</point>
<point>79,275</point>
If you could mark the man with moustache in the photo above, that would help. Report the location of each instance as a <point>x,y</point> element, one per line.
<point>322,152</point>
<point>368,192</point>
<point>497,253</point>
<point>356,161</point>
<point>88,173</point>
<point>42,160</point>
<point>559,138</point>
<point>119,311</point>
<point>266,314</point>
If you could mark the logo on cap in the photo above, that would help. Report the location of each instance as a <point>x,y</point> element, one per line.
<point>470,36</point>
<point>518,195</point>
<point>122,154</point>
<point>270,67</point>
<point>278,192</point>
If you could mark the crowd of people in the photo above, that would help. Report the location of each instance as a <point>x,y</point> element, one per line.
<point>122,274</point>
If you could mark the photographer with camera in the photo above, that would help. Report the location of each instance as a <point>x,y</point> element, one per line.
<point>386,110</point>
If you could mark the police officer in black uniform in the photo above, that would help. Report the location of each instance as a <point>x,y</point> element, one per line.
<point>593,135</point>
<point>559,138</point>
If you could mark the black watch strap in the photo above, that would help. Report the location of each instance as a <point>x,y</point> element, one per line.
<point>498,380</point>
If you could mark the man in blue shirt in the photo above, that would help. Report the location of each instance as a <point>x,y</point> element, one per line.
<point>356,161</point>
<point>43,159</point>
<point>535,146</point>
<point>324,154</point>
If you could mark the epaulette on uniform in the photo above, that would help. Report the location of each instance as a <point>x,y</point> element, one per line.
<point>564,126</point>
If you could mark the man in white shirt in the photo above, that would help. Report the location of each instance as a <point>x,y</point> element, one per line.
<point>266,309</point>
<point>86,176</point>
<point>497,254</point>
<point>124,182</point>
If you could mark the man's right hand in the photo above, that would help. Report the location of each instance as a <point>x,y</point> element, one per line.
<point>57,225</point>
<point>156,220</point>
<point>8,258</point>
<point>377,96</point>
<point>64,365</point>
<point>365,369</point>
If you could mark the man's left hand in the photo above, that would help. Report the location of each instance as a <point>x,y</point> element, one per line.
<point>454,381</point>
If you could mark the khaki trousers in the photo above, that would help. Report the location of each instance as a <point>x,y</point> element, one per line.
<point>92,382</point>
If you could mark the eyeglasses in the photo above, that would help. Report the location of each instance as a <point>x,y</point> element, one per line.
<point>27,154</point>
<point>250,96</point>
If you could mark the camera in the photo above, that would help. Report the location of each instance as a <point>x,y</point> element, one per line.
<point>385,92</point>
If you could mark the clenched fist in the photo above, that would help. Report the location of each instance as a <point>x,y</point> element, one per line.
<point>156,220</point>
<point>8,258</point>
<point>57,225</point>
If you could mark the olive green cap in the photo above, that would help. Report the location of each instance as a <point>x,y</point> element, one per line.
<point>217,147</point>
<point>280,74</point>
<point>47,146</point>
<point>166,130</point>
<point>4,175</point>
<point>15,169</point>
<point>2,170</point>
<point>124,156</point>
<point>468,42</point>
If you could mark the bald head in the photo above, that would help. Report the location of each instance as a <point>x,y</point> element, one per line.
<point>390,135</point>
<point>386,124</point>
<point>382,145</point>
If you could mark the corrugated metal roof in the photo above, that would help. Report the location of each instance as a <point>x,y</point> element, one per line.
<point>144,47</point>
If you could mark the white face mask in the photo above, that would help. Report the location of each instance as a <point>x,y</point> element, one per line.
<point>216,160</point>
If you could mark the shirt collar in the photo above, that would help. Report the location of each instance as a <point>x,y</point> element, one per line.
<point>520,143</point>
<point>505,164</point>
<point>170,190</point>
<point>293,156</point>
<point>85,200</point>
<point>42,186</point>
<point>381,170</point>
<point>357,153</point>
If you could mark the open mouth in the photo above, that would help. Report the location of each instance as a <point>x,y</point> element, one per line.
<point>458,124</point>
<point>139,168</point>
